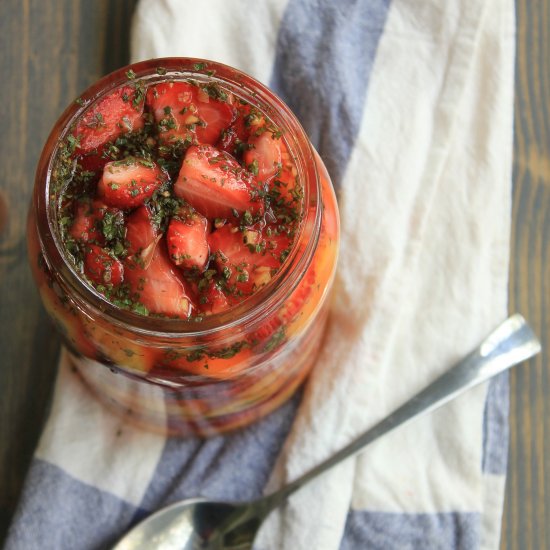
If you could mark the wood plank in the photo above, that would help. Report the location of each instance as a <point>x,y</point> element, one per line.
<point>527,508</point>
<point>51,51</point>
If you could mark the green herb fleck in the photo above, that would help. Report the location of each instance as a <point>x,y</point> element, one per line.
<point>275,340</point>
<point>253,167</point>
<point>140,309</point>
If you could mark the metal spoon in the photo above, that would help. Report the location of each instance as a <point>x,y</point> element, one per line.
<point>199,524</point>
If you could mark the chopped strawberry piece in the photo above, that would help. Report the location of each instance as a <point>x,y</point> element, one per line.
<point>151,276</point>
<point>141,236</point>
<point>93,161</point>
<point>186,112</point>
<point>186,240</point>
<point>171,104</point>
<point>277,244</point>
<point>253,247</point>
<point>215,184</point>
<point>116,114</point>
<point>127,183</point>
<point>86,225</point>
<point>214,117</point>
<point>213,300</point>
<point>263,156</point>
<point>159,286</point>
<point>229,141</point>
<point>234,139</point>
<point>102,268</point>
<point>245,259</point>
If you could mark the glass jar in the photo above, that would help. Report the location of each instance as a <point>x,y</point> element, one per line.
<point>197,376</point>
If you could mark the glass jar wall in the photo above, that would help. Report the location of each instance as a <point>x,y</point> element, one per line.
<point>210,373</point>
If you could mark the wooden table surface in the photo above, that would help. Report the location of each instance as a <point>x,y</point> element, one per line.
<point>51,51</point>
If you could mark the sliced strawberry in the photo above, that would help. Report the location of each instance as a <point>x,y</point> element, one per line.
<point>212,299</point>
<point>286,182</point>
<point>152,278</point>
<point>102,268</point>
<point>233,140</point>
<point>159,286</point>
<point>187,113</point>
<point>86,225</point>
<point>277,244</point>
<point>141,237</point>
<point>116,114</point>
<point>93,161</point>
<point>263,156</point>
<point>186,240</point>
<point>127,183</point>
<point>229,141</point>
<point>252,246</point>
<point>215,184</point>
<point>173,109</point>
<point>214,117</point>
<point>245,259</point>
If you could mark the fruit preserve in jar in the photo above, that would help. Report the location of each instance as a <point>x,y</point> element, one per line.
<point>183,236</point>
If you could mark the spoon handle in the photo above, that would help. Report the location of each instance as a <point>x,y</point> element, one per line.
<point>511,343</point>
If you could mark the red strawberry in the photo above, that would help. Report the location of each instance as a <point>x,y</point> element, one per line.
<point>263,156</point>
<point>245,259</point>
<point>141,236</point>
<point>116,114</point>
<point>237,134</point>
<point>186,240</point>
<point>127,183</point>
<point>86,225</point>
<point>159,286</point>
<point>229,141</point>
<point>152,278</point>
<point>184,112</point>
<point>215,184</point>
<point>212,299</point>
<point>171,104</point>
<point>102,268</point>
<point>214,117</point>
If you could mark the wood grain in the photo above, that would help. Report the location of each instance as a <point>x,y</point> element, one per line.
<point>51,51</point>
<point>527,509</point>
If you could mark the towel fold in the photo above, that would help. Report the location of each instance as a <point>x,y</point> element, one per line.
<point>410,106</point>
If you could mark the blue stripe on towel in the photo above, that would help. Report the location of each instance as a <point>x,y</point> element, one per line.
<point>59,512</point>
<point>495,426</point>
<point>325,54</point>
<point>385,531</point>
<point>233,467</point>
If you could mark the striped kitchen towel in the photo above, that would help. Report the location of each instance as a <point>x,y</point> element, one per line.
<point>410,105</point>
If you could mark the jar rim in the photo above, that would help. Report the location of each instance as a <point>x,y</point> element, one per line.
<point>266,299</point>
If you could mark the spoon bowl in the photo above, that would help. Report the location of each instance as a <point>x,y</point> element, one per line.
<point>195,524</point>
<point>200,524</point>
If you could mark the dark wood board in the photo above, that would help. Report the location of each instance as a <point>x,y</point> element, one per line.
<point>50,52</point>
